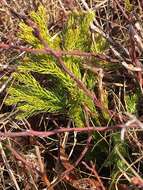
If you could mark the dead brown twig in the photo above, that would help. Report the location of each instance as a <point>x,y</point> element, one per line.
<point>98,56</point>
<point>93,170</point>
<point>33,133</point>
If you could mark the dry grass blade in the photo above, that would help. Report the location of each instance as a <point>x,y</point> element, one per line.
<point>8,168</point>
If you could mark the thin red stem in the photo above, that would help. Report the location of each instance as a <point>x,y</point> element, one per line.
<point>33,133</point>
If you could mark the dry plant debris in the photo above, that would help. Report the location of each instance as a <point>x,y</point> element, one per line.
<point>71,94</point>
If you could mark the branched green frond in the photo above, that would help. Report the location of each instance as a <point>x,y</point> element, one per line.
<point>40,18</point>
<point>49,67</point>
<point>29,95</point>
<point>77,34</point>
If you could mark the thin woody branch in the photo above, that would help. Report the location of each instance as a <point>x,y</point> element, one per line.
<point>101,57</point>
<point>33,133</point>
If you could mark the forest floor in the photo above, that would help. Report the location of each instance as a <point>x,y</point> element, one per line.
<point>94,141</point>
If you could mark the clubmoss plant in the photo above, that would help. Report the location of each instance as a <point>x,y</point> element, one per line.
<point>61,94</point>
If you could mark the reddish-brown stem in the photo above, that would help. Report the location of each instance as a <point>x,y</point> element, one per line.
<point>84,151</point>
<point>33,133</point>
<point>102,57</point>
